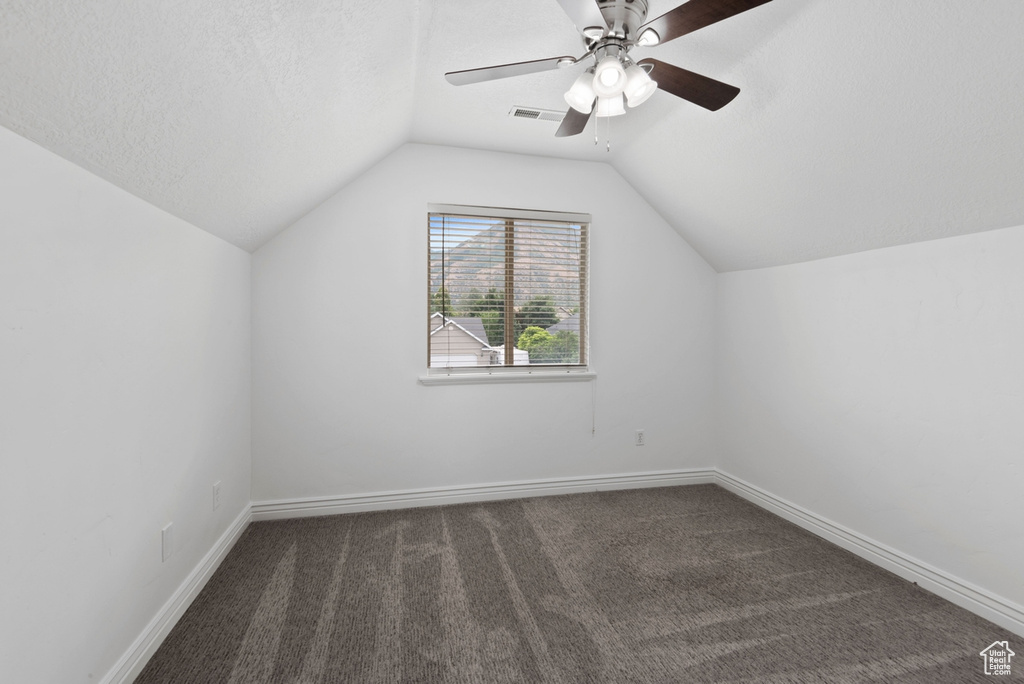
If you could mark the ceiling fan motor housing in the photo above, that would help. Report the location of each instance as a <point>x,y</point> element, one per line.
<point>623,18</point>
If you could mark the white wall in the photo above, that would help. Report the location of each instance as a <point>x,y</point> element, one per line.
<point>339,301</point>
<point>885,391</point>
<point>124,394</point>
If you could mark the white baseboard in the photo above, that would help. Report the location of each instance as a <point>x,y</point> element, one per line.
<point>955,590</point>
<point>136,657</point>
<point>352,503</point>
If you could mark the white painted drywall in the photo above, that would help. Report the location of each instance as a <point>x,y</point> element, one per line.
<point>124,395</point>
<point>339,306</point>
<point>885,391</point>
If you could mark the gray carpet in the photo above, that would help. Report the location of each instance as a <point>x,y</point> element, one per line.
<point>678,584</point>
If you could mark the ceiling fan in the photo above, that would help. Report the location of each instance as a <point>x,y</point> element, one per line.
<point>610,29</point>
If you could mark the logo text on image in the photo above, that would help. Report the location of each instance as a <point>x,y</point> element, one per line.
<point>997,658</point>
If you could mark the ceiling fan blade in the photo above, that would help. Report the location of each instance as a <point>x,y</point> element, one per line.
<point>700,90</point>
<point>695,14</point>
<point>584,13</point>
<point>505,70</point>
<point>573,123</point>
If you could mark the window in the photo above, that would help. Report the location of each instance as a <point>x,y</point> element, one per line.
<point>491,266</point>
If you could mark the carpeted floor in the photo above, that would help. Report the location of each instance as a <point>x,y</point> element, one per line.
<point>678,584</point>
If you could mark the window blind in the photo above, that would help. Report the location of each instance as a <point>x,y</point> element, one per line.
<point>507,288</point>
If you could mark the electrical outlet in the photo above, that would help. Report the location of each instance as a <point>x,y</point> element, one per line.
<point>639,441</point>
<point>216,495</point>
<point>166,542</point>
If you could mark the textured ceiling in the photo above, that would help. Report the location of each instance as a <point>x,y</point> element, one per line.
<point>238,116</point>
<point>860,124</point>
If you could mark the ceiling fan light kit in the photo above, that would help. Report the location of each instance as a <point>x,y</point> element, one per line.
<point>610,29</point>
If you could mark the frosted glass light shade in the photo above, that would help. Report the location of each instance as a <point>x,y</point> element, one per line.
<point>609,77</point>
<point>639,86</point>
<point>581,95</point>
<point>610,106</point>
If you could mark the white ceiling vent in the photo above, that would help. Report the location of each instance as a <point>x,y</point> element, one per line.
<point>518,112</point>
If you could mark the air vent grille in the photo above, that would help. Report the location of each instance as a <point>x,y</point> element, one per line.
<point>534,113</point>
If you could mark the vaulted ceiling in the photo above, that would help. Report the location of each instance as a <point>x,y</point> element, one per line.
<point>861,124</point>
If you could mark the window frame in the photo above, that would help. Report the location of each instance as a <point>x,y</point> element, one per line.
<point>521,373</point>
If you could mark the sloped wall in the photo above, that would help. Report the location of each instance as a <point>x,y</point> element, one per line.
<point>124,395</point>
<point>884,391</point>
<point>339,301</point>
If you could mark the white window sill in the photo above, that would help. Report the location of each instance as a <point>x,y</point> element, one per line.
<point>495,377</point>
